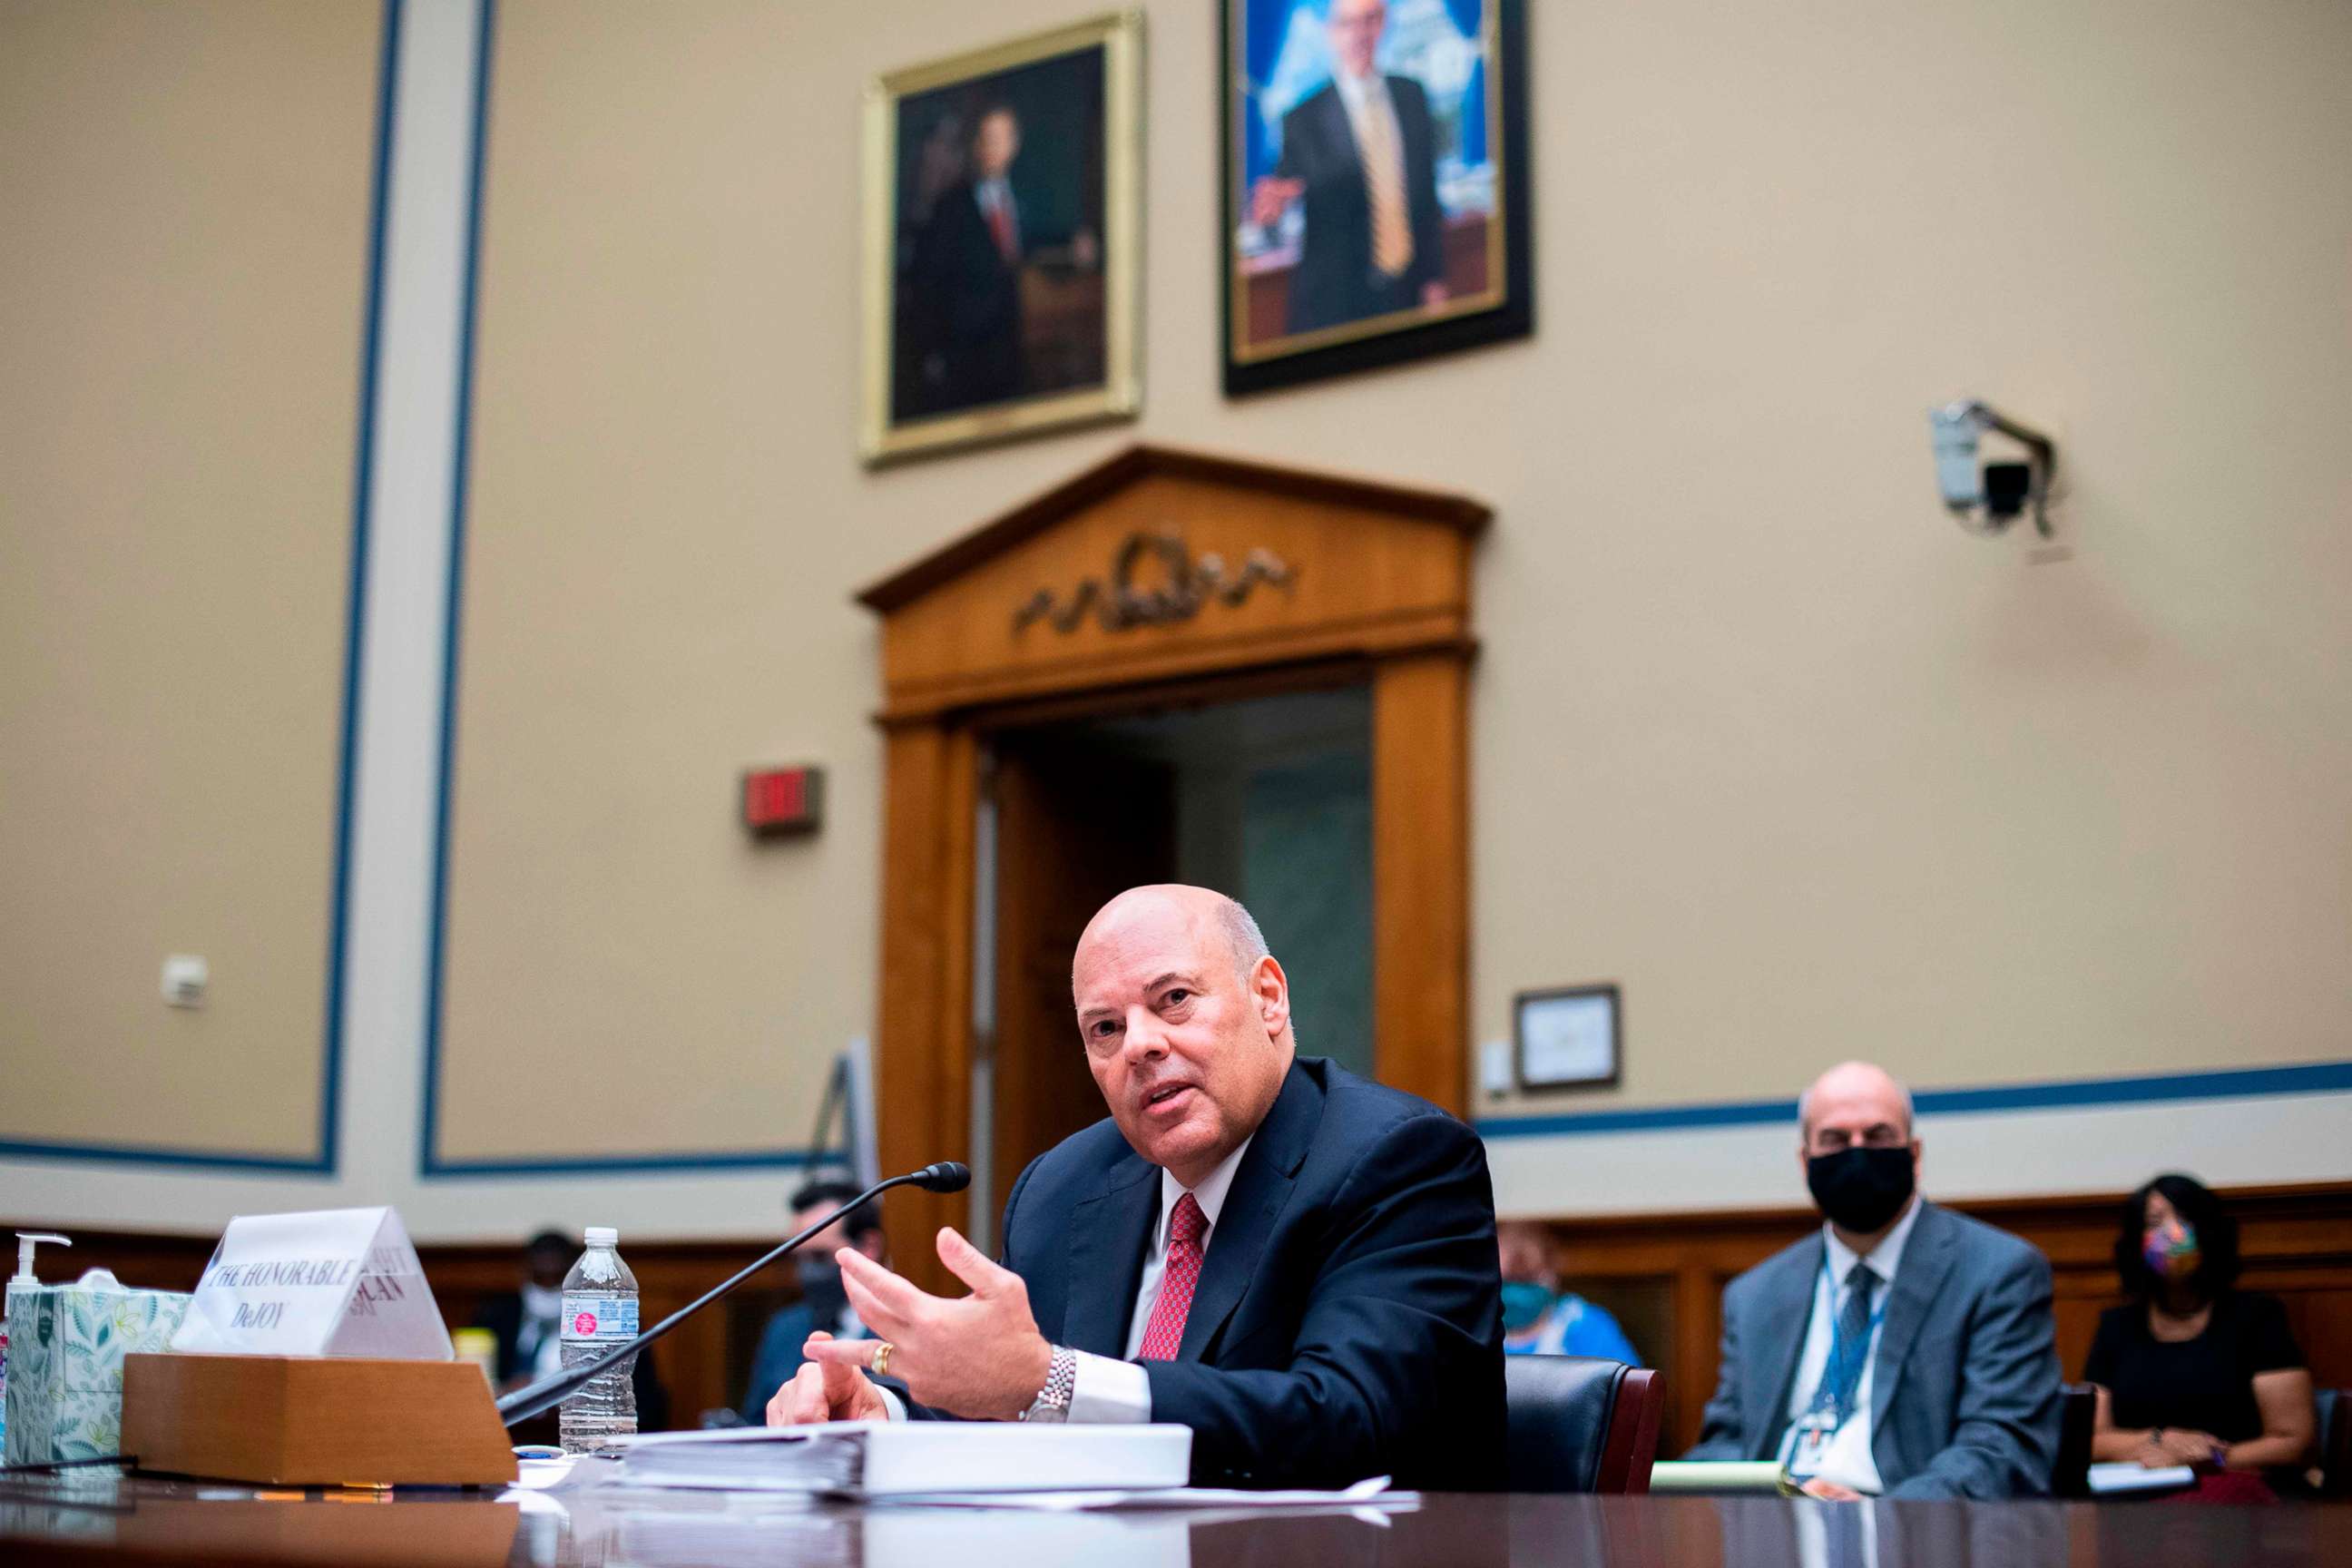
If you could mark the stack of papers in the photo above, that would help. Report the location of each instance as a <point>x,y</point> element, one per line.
<point>890,1458</point>
<point>1366,1494</point>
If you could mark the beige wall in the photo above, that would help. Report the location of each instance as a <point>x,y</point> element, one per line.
<point>182,273</point>
<point>1757,732</point>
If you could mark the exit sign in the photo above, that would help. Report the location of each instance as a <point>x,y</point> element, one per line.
<point>780,801</point>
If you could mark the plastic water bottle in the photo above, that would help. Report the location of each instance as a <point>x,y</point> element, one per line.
<point>600,1311</point>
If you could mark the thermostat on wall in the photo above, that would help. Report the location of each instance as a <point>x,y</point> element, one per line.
<point>781,801</point>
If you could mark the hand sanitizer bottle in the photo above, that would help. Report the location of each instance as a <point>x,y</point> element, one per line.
<point>22,1279</point>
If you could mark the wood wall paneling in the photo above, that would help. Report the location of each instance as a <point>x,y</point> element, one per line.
<point>1661,1274</point>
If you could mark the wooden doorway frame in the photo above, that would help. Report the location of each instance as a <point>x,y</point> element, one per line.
<point>1382,597</point>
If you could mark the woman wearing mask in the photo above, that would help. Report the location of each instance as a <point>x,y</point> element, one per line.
<point>1539,1317</point>
<point>2190,1371</point>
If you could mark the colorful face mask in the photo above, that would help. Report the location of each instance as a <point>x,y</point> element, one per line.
<point>1525,1301</point>
<point>2171,1250</point>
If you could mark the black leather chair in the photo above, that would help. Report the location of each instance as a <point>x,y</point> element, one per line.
<point>2334,1408</point>
<point>2078,1420</point>
<point>1581,1424</point>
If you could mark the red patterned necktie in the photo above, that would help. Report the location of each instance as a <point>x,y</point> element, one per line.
<point>1165,1332</point>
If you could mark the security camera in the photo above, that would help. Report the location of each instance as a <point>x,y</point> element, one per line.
<point>1987,498</point>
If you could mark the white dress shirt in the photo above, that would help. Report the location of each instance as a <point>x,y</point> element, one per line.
<point>1120,1391</point>
<point>1846,1458</point>
<point>991,195</point>
<point>539,1336</point>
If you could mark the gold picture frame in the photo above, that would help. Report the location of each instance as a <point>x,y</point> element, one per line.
<point>1002,289</point>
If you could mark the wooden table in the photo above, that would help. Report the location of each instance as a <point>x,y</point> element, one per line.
<point>90,1520</point>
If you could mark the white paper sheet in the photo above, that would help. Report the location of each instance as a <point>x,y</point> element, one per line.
<point>2128,1475</point>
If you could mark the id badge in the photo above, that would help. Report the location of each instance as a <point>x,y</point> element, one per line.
<point>1809,1444</point>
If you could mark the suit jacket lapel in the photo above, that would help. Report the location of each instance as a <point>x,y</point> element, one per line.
<point>1927,1260</point>
<point>1788,1312</point>
<point>1261,1186</point>
<point>1108,1236</point>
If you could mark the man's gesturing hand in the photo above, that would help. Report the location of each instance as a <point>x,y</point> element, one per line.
<point>980,1356</point>
<point>821,1391</point>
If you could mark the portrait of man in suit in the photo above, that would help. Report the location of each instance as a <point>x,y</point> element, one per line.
<point>967,274</point>
<point>1360,156</point>
<point>1375,183</point>
<point>999,238</point>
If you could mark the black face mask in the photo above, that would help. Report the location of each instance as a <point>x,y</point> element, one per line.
<point>821,1289</point>
<point>1859,1189</point>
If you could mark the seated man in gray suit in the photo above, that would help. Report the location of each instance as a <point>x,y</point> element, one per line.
<point>1905,1349</point>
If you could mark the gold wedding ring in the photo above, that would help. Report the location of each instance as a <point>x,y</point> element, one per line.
<point>882,1358</point>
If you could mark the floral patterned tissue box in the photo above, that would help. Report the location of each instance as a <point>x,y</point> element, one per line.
<point>66,1345</point>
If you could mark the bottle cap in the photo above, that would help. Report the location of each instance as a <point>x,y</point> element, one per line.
<point>603,1236</point>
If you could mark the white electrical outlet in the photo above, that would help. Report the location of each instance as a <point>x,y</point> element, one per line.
<point>186,976</point>
<point>1494,1067</point>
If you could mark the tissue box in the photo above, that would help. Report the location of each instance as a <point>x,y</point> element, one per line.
<point>66,1345</point>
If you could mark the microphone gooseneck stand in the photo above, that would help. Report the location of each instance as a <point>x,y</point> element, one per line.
<point>946,1176</point>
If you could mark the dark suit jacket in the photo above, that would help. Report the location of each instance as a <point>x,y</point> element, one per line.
<point>967,304</point>
<point>1964,1393</point>
<point>1333,281</point>
<point>1348,1321</point>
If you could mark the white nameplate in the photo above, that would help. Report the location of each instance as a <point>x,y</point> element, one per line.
<point>342,1282</point>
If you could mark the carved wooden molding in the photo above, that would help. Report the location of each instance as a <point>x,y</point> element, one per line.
<point>1188,584</point>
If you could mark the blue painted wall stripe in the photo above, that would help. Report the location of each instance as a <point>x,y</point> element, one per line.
<point>725,1160</point>
<point>363,529</point>
<point>2234,1083</point>
<point>436,939</point>
<point>151,1155</point>
<point>325,1162</point>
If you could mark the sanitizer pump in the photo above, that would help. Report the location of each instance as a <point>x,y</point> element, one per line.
<point>22,1279</point>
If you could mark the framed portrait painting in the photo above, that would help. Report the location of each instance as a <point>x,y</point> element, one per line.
<point>1375,183</point>
<point>1001,260</point>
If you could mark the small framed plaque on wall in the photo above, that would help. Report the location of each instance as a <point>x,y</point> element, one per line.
<point>1567,1038</point>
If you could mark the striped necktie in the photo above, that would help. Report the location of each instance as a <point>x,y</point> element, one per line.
<point>1384,185</point>
<point>1853,1340</point>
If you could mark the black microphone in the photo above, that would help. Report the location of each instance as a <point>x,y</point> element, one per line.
<point>945,1176</point>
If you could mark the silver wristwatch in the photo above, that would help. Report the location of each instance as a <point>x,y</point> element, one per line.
<point>1053,1401</point>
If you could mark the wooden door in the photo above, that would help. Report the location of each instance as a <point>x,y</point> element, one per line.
<point>1074,828</point>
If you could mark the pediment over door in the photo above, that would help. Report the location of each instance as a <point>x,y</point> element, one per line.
<point>1162,564</point>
